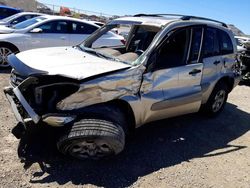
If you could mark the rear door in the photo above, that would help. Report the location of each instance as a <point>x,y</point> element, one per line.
<point>172,85</point>
<point>79,32</point>
<point>212,60</point>
<point>53,33</point>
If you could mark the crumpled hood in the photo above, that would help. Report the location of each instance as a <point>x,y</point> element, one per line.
<point>5,30</point>
<point>65,61</point>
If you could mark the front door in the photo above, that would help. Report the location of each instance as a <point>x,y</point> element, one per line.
<point>53,34</point>
<point>172,85</point>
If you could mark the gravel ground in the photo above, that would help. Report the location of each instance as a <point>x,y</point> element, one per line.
<point>188,151</point>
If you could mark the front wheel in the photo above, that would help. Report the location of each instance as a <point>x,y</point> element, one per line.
<point>92,138</point>
<point>217,100</point>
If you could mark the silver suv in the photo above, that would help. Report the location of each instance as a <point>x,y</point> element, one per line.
<point>170,65</point>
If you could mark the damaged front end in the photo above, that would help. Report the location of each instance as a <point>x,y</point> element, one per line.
<point>34,99</point>
<point>58,100</point>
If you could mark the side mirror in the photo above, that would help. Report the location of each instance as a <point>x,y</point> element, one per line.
<point>14,22</point>
<point>36,30</point>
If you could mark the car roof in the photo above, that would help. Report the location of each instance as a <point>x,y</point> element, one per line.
<point>156,21</point>
<point>28,13</point>
<point>52,17</point>
<point>164,19</point>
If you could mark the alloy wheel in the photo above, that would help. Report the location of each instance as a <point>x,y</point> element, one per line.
<point>4,52</point>
<point>90,149</point>
<point>219,100</point>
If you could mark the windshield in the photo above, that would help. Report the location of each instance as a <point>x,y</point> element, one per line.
<point>28,23</point>
<point>130,42</point>
<point>10,18</point>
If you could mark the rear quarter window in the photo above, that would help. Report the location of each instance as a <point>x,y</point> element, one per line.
<point>226,45</point>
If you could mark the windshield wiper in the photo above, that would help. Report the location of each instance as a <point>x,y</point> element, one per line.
<point>91,51</point>
<point>96,53</point>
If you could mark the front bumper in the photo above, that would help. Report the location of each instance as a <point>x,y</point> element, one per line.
<point>19,105</point>
<point>19,130</point>
<point>25,114</point>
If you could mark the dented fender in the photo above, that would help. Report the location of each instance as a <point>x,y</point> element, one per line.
<point>104,89</point>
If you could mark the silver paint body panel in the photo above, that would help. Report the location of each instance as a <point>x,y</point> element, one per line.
<point>153,95</point>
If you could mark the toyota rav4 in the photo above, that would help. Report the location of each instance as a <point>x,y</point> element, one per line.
<point>170,65</point>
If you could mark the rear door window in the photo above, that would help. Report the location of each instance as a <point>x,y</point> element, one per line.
<point>83,28</point>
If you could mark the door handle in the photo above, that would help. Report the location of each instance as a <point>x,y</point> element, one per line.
<point>216,62</point>
<point>63,38</point>
<point>195,71</point>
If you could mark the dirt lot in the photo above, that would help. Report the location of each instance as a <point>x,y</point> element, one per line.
<point>188,151</point>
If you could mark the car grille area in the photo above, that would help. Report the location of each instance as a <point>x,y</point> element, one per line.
<point>16,79</point>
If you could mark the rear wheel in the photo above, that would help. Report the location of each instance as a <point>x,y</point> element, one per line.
<point>217,100</point>
<point>93,138</point>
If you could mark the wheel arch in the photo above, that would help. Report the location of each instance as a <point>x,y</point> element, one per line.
<point>127,110</point>
<point>14,47</point>
<point>110,111</point>
<point>229,81</point>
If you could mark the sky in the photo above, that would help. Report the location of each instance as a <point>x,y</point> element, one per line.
<point>235,12</point>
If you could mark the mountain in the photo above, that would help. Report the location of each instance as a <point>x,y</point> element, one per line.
<point>235,30</point>
<point>26,5</point>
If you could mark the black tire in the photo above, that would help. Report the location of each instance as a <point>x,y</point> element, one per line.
<point>92,138</point>
<point>5,50</point>
<point>209,108</point>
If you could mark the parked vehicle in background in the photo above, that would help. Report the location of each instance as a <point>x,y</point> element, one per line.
<point>169,66</point>
<point>244,46</point>
<point>6,11</point>
<point>101,24</point>
<point>49,31</point>
<point>124,34</point>
<point>244,40</point>
<point>18,18</point>
<point>65,11</point>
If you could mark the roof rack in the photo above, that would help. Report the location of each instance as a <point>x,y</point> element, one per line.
<point>182,17</point>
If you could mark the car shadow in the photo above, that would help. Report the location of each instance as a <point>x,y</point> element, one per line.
<point>5,70</point>
<point>157,145</point>
<point>245,82</point>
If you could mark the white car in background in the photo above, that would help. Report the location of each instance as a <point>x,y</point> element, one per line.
<point>18,18</point>
<point>50,31</point>
<point>101,24</point>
